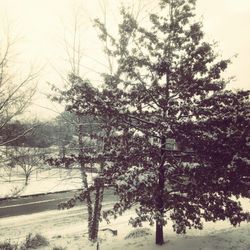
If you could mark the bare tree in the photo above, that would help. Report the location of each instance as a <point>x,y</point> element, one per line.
<point>6,168</point>
<point>92,193</point>
<point>16,87</point>
<point>28,159</point>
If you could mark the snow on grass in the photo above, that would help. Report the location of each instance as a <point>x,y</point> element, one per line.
<point>68,228</point>
<point>43,181</point>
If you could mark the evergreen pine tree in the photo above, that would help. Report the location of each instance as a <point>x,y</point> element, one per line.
<point>179,141</point>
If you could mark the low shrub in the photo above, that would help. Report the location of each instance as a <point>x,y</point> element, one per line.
<point>139,232</point>
<point>33,242</point>
<point>59,248</point>
<point>7,245</point>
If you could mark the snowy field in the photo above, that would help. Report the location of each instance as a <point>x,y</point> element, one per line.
<point>68,228</point>
<point>41,181</point>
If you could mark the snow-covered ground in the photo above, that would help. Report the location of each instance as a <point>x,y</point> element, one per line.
<point>41,181</point>
<point>68,229</point>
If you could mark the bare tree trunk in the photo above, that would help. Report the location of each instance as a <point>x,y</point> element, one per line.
<point>85,180</point>
<point>10,174</point>
<point>26,179</point>
<point>97,208</point>
<point>88,199</point>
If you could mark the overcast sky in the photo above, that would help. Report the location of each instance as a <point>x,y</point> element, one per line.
<point>43,25</point>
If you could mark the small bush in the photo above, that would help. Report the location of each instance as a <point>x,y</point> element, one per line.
<point>7,246</point>
<point>59,248</point>
<point>140,232</point>
<point>33,242</point>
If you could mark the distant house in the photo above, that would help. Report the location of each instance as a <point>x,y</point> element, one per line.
<point>170,143</point>
<point>186,154</point>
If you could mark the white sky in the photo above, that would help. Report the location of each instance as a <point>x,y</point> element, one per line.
<point>44,23</point>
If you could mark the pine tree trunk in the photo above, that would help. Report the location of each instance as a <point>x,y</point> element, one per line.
<point>159,239</point>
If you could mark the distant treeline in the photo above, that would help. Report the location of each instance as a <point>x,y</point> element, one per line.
<point>60,131</point>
